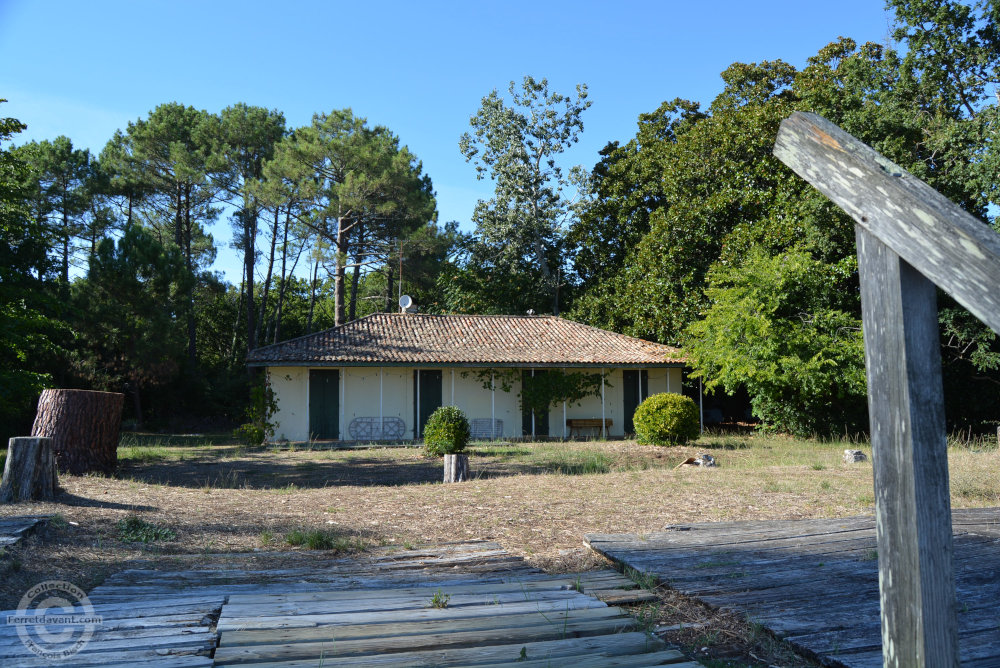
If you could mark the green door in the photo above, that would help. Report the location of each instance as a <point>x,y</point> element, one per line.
<point>635,388</point>
<point>324,404</point>
<point>426,396</point>
<point>541,417</point>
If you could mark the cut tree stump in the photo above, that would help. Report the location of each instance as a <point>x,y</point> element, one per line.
<point>456,468</point>
<point>83,426</point>
<point>30,471</point>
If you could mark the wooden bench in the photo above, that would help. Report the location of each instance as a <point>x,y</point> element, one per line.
<point>592,426</point>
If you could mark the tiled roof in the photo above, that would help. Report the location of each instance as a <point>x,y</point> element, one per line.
<point>509,340</point>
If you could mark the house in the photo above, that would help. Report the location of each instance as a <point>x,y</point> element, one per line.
<point>380,377</point>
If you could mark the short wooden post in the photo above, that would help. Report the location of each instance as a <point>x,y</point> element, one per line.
<point>30,471</point>
<point>910,459</point>
<point>456,468</point>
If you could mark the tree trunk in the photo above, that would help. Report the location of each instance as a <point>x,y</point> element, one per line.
<point>456,468</point>
<point>352,312</point>
<point>249,218</point>
<point>83,426</point>
<point>312,298</point>
<point>281,285</point>
<point>30,471</point>
<point>262,312</point>
<point>192,328</point>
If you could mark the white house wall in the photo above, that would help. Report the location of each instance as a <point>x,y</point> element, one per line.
<point>291,387</point>
<point>478,403</point>
<point>359,398</point>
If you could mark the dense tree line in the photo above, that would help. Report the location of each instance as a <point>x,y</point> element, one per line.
<point>699,236</point>
<point>691,233</point>
<point>106,281</point>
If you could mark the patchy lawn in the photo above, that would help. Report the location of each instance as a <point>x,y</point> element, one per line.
<point>191,500</point>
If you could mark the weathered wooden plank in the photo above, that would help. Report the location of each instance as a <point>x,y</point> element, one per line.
<point>670,657</point>
<point>909,457</point>
<point>554,583</point>
<point>156,657</point>
<point>187,643</point>
<point>359,631</point>
<point>623,597</point>
<point>116,610</point>
<point>549,650</point>
<point>949,246</point>
<point>391,616</point>
<point>337,647</point>
<point>375,604</point>
<point>12,645</point>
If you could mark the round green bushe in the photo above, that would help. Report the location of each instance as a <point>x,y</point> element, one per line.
<point>447,431</point>
<point>667,419</point>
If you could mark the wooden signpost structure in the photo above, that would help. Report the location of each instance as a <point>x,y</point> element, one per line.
<point>910,238</point>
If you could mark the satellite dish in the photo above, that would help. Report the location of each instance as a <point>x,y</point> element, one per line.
<point>405,302</point>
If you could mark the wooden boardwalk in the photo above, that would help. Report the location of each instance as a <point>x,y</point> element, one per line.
<point>815,582</point>
<point>13,529</point>
<point>375,609</point>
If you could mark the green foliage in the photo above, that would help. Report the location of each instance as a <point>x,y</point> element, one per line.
<point>439,600</point>
<point>666,419</point>
<point>136,530</point>
<point>546,388</point>
<point>128,308</point>
<point>550,387</point>
<point>27,329</point>
<point>446,432</point>
<point>260,413</point>
<point>322,540</point>
<point>359,190</point>
<point>783,327</point>
<point>519,232</point>
<point>699,198</point>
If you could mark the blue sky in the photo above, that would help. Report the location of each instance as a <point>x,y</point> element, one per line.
<point>85,69</point>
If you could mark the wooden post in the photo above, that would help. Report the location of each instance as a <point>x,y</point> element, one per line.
<point>83,426</point>
<point>909,239</point>
<point>910,459</point>
<point>30,471</point>
<point>456,468</point>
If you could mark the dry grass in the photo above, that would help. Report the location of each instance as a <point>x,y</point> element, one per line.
<point>537,500</point>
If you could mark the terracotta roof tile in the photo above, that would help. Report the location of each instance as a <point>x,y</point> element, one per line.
<point>401,338</point>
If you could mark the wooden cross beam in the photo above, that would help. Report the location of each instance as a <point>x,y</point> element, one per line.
<point>909,238</point>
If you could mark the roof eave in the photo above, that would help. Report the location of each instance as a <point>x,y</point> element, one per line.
<point>476,365</point>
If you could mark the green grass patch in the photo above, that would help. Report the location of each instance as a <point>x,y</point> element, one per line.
<point>439,600</point>
<point>564,458</point>
<point>316,539</point>
<point>146,454</point>
<point>136,530</point>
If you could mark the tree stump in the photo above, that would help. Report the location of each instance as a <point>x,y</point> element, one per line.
<point>83,426</point>
<point>30,471</point>
<point>456,468</point>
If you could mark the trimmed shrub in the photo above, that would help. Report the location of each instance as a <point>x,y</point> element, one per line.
<point>667,419</point>
<point>447,431</point>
